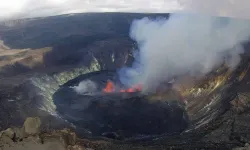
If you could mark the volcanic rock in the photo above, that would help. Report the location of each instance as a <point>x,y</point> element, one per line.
<point>35,80</point>
<point>56,140</point>
<point>19,133</point>
<point>76,147</point>
<point>111,135</point>
<point>9,133</point>
<point>6,137</point>
<point>32,125</point>
<point>246,147</point>
<point>66,136</point>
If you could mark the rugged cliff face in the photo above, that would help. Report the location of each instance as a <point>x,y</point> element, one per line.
<point>32,94</point>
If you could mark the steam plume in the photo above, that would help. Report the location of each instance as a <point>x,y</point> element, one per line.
<point>86,86</point>
<point>181,44</point>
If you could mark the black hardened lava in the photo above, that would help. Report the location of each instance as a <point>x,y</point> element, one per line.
<point>122,114</point>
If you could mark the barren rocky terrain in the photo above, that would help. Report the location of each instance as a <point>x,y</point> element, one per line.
<point>42,59</point>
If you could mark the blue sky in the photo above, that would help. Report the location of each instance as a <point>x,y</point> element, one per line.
<point>39,8</point>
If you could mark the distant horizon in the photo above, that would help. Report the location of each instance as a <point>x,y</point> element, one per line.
<point>72,14</point>
<point>95,13</point>
<point>22,9</point>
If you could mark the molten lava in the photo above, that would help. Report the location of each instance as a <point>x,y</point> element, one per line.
<point>110,88</point>
<point>136,88</point>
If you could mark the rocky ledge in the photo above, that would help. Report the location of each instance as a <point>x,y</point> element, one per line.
<point>30,137</point>
<point>225,132</point>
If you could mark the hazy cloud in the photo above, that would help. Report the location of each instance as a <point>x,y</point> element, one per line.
<point>38,8</point>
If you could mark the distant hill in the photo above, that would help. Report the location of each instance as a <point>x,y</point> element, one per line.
<point>74,39</point>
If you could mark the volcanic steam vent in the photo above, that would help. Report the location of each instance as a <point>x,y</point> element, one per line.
<point>114,108</point>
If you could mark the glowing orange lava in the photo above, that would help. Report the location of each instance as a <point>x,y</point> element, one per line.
<point>110,87</point>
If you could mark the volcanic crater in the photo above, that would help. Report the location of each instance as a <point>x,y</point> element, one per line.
<point>212,112</point>
<point>126,114</point>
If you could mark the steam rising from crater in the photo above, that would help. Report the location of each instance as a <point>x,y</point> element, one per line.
<point>86,86</point>
<point>183,44</point>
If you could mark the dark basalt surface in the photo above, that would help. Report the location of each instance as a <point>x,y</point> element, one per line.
<point>123,114</point>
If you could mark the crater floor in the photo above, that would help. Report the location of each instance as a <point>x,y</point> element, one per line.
<point>123,114</point>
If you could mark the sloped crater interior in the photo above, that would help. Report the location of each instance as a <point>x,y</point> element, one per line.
<point>125,114</point>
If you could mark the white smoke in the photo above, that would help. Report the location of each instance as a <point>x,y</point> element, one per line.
<point>181,44</point>
<point>86,86</point>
